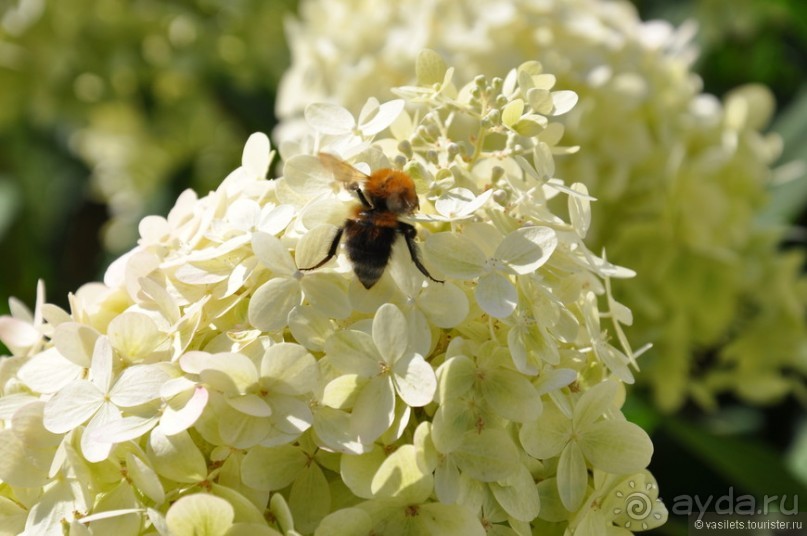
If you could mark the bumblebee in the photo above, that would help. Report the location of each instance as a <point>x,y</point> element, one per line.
<point>374,226</point>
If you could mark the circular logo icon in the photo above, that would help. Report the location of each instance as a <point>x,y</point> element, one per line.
<point>638,506</point>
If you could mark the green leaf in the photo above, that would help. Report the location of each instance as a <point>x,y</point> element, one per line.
<point>789,197</point>
<point>751,465</point>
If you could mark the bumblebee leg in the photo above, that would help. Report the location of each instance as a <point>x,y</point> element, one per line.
<point>361,197</point>
<point>409,233</point>
<point>331,250</point>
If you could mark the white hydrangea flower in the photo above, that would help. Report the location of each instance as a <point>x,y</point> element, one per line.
<point>679,175</point>
<point>214,383</point>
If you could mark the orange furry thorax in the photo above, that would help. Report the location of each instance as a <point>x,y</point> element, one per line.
<point>392,190</point>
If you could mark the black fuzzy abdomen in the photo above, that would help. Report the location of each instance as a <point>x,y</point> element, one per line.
<point>369,247</point>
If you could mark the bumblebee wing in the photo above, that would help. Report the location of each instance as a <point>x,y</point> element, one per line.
<point>342,171</point>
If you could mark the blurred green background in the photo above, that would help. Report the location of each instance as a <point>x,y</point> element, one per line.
<point>110,108</point>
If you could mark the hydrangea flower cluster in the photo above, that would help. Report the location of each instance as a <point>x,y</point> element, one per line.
<point>210,387</point>
<point>680,176</point>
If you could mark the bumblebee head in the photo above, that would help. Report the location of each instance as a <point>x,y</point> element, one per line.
<point>392,189</point>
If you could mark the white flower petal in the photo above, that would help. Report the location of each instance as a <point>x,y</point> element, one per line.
<point>174,421</point>
<point>138,384</point>
<point>255,158</point>
<point>271,304</point>
<point>329,118</point>
<point>49,371</point>
<point>390,332</point>
<point>384,117</point>
<point>455,255</point>
<point>273,254</point>
<point>415,381</point>
<point>374,410</point>
<point>526,249</point>
<point>496,295</point>
<point>72,406</point>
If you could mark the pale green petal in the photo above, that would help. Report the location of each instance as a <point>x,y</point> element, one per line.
<point>546,437</point>
<point>444,305</point>
<point>357,471</point>
<point>72,406</point>
<point>272,468</point>
<point>290,369</point>
<point>455,255</point>
<point>580,214</point>
<point>619,447</point>
<point>526,249</point>
<point>402,478</point>
<point>451,422</point>
<point>572,477</point>
<point>251,529</point>
<point>414,381</point>
<point>176,457</point>
<point>487,456</point>
<point>374,410</point>
<point>309,499</point>
<point>200,514</point>
<point>310,327</point>
<point>240,430</point>
<point>341,392</point>
<point>552,508</point>
<point>447,520</point>
<point>496,295</point>
<point>290,418</point>
<point>144,478</point>
<point>345,522</point>
<point>329,118</point>
<point>326,292</point>
<point>353,352</point>
<point>447,481</point>
<point>229,373</point>
<point>332,428</point>
<point>430,68</point>
<point>593,403</point>
<point>15,468</point>
<point>518,495</point>
<point>390,332</point>
<point>134,335</point>
<point>273,254</point>
<point>250,404</point>
<point>563,101</point>
<point>511,395</point>
<point>269,307</point>
<point>456,377</point>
